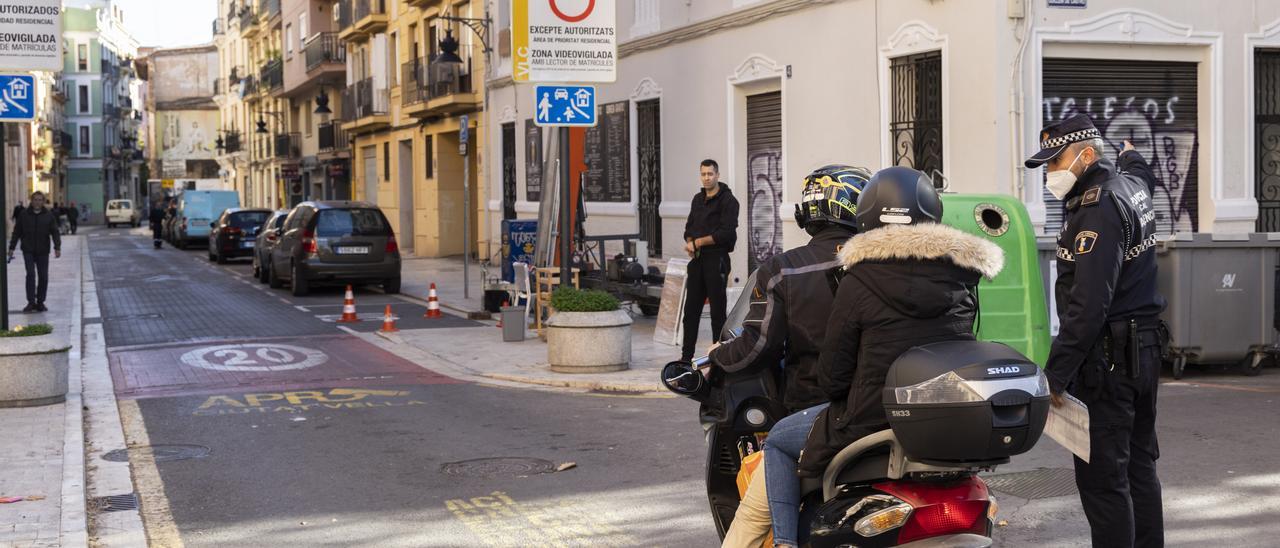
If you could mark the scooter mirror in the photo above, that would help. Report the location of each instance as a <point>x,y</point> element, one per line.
<point>685,380</point>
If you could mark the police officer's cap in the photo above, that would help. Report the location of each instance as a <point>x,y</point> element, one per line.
<point>1055,138</point>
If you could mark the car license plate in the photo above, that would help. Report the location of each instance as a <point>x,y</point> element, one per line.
<point>246,245</point>
<point>352,250</point>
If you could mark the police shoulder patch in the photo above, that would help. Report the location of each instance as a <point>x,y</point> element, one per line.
<point>1091,196</point>
<point>1084,242</point>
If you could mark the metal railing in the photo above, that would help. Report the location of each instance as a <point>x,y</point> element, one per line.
<point>288,145</point>
<point>270,8</point>
<point>362,99</point>
<point>110,111</point>
<point>332,137</point>
<point>248,85</point>
<point>65,140</point>
<point>365,8</point>
<point>342,15</point>
<point>324,48</point>
<point>231,142</point>
<point>412,83</point>
<point>247,16</point>
<point>422,81</point>
<point>272,75</point>
<point>217,27</point>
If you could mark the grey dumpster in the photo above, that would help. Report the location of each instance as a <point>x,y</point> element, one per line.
<point>1221,290</point>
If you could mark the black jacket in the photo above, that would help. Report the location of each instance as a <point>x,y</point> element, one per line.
<point>34,230</point>
<point>904,286</point>
<point>1106,261</point>
<point>790,305</point>
<point>716,217</point>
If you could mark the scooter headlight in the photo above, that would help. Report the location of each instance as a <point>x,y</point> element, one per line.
<point>890,518</point>
<point>756,417</point>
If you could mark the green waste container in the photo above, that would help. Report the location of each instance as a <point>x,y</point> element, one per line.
<point>1012,307</point>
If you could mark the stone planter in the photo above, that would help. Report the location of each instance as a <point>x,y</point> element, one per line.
<point>33,370</point>
<point>589,342</point>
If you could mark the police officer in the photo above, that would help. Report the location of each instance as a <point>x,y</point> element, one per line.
<point>791,301</point>
<point>1107,350</point>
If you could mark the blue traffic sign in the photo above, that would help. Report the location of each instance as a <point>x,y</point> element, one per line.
<point>17,98</point>
<point>564,106</point>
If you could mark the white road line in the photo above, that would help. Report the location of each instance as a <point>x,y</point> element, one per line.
<point>349,330</point>
<point>302,308</point>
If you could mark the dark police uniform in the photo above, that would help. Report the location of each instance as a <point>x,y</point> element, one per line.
<point>708,274</point>
<point>1107,352</point>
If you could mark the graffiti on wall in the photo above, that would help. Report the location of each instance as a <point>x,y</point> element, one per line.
<point>764,185</point>
<point>1163,130</point>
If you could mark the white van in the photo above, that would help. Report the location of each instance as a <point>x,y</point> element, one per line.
<point>122,212</point>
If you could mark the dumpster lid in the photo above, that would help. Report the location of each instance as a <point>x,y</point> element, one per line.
<point>1220,240</point>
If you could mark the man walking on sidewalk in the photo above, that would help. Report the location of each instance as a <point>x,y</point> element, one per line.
<point>709,235</point>
<point>34,228</point>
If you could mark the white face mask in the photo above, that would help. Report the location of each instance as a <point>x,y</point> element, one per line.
<point>1060,182</point>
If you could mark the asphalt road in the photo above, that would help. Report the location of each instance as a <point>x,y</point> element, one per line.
<point>366,449</point>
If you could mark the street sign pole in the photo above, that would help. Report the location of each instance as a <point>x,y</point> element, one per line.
<point>4,236</point>
<point>566,206</point>
<point>463,134</point>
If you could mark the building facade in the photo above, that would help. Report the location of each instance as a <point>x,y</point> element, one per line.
<point>403,107</point>
<point>100,83</point>
<point>772,89</point>
<point>181,116</point>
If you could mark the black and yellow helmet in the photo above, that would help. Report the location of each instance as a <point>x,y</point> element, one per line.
<point>831,196</point>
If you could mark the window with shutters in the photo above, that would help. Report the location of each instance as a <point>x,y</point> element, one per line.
<point>1152,104</point>
<point>915,123</point>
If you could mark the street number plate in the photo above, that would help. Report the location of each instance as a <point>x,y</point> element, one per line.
<point>352,250</point>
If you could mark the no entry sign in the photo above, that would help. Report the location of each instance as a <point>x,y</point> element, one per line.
<point>565,40</point>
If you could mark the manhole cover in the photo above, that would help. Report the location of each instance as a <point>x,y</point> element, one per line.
<point>1036,484</point>
<point>115,503</point>
<point>499,467</point>
<point>161,453</point>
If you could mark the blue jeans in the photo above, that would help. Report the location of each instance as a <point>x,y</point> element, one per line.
<point>781,457</point>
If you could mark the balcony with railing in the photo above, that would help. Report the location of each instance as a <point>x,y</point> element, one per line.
<point>342,21</point>
<point>272,75</point>
<point>65,141</point>
<point>110,111</point>
<point>248,86</point>
<point>268,9</point>
<point>217,27</point>
<point>428,89</point>
<point>332,138</point>
<point>365,106</point>
<point>288,145</point>
<point>248,22</point>
<point>108,68</point>
<point>325,51</point>
<point>231,142</point>
<point>370,15</point>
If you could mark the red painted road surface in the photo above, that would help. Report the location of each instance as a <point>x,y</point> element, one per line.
<point>262,364</point>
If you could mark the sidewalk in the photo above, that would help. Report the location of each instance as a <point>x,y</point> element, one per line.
<point>42,448</point>
<point>480,353</point>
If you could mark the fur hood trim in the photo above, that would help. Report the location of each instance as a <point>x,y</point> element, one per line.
<point>925,241</point>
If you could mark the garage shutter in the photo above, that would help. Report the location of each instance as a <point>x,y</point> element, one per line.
<point>1150,103</point>
<point>764,176</point>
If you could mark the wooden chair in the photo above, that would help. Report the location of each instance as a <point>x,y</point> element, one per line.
<point>546,280</point>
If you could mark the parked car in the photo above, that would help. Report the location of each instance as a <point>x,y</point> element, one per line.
<point>233,234</point>
<point>335,242</point>
<point>266,242</point>
<point>196,210</point>
<point>122,212</point>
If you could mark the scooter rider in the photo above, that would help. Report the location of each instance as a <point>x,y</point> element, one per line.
<point>792,297</point>
<point>908,281</point>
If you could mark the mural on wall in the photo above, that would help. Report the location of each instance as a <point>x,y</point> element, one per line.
<point>764,184</point>
<point>186,135</point>
<point>1158,115</point>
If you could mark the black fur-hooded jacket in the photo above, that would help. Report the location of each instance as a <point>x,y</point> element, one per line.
<point>903,286</point>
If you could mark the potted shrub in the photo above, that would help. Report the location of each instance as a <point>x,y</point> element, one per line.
<point>33,366</point>
<point>587,332</point>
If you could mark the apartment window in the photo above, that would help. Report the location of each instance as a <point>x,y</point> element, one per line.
<point>82,99</point>
<point>306,113</point>
<point>302,29</point>
<point>394,50</point>
<point>82,57</point>
<point>84,141</point>
<point>915,124</point>
<point>386,161</point>
<point>428,170</point>
<point>288,40</point>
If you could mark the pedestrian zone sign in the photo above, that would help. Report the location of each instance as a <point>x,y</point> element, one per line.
<point>17,98</point>
<point>564,106</point>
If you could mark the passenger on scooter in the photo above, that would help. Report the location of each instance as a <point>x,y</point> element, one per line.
<point>908,281</point>
<point>792,297</point>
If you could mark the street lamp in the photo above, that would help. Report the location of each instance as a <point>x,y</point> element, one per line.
<point>322,103</point>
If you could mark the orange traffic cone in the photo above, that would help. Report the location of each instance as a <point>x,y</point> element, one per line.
<point>388,322</point>
<point>433,304</point>
<point>349,308</point>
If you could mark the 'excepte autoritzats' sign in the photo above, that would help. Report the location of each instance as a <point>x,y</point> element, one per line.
<point>565,40</point>
<point>30,35</point>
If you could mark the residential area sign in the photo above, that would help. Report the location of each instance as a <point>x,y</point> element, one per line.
<point>564,106</point>
<point>17,98</point>
<point>564,40</point>
<point>31,35</point>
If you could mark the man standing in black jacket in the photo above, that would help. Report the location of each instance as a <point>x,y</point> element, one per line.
<point>35,227</point>
<point>709,235</point>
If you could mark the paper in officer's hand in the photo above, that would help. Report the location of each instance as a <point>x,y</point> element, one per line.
<point>1069,426</point>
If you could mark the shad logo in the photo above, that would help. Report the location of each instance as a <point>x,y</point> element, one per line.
<point>1228,281</point>
<point>1006,370</point>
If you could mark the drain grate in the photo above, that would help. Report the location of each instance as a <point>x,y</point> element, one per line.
<point>161,453</point>
<point>116,503</point>
<point>498,467</point>
<point>1037,484</point>
<point>135,317</point>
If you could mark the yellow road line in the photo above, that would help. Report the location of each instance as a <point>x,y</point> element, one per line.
<point>157,519</point>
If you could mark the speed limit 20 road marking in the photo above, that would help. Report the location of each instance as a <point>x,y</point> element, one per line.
<point>254,357</point>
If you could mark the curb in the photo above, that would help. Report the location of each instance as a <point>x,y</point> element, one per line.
<point>648,389</point>
<point>74,518</point>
